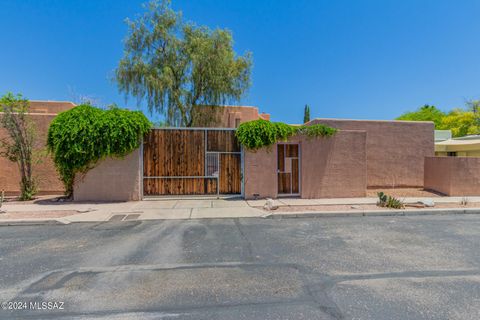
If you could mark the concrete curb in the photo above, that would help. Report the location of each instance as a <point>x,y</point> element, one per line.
<point>289,215</point>
<point>32,222</point>
<point>373,213</point>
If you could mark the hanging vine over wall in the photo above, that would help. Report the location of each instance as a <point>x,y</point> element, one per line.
<point>80,137</point>
<point>262,133</point>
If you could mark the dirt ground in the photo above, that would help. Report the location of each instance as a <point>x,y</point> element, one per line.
<point>36,199</point>
<point>367,207</point>
<point>404,192</point>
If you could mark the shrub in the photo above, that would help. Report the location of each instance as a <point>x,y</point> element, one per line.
<point>389,201</point>
<point>262,133</point>
<point>80,137</point>
<point>317,130</point>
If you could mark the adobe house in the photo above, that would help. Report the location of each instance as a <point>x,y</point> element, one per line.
<point>226,116</point>
<point>209,161</point>
<point>42,113</point>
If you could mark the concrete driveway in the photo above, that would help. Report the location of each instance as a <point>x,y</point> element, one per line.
<point>420,267</point>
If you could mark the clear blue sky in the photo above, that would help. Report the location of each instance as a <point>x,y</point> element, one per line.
<point>346,59</point>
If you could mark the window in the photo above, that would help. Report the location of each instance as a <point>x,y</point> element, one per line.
<point>212,164</point>
<point>451,154</point>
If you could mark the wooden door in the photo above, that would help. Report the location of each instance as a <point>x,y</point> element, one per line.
<point>288,169</point>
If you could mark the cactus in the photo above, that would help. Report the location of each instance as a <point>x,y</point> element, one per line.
<point>389,201</point>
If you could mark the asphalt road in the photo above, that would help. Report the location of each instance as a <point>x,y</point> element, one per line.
<point>422,267</point>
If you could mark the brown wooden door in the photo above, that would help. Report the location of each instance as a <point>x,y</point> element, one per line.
<point>288,169</point>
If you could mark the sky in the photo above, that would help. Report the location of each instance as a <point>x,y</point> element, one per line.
<point>346,59</point>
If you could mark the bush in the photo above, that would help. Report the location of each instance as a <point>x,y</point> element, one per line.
<point>80,137</point>
<point>262,133</point>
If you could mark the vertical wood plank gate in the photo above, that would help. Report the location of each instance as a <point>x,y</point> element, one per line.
<point>288,169</point>
<point>191,162</point>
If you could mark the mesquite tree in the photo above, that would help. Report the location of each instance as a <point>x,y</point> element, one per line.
<point>18,145</point>
<point>178,67</point>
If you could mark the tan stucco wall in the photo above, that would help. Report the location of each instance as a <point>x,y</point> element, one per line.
<point>330,167</point>
<point>113,179</point>
<point>453,176</point>
<point>44,171</point>
<point>260,173</point>
<point>334,167</point>
<point>437,174</point>
<point>395,149</point>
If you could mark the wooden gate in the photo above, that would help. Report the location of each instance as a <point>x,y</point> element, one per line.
<point>191,162</point>
<point>288,169</point>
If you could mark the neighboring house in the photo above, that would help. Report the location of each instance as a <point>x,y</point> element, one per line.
<point>50,107</point>
<point>42,113</point>
<point>226,116</point>
<point>468,146</point>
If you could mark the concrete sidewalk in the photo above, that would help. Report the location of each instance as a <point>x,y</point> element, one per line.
<point>138,210</point>
<point>160,209</point>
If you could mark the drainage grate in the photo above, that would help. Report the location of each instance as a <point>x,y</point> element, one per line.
<point>131,217</point>
<point>124,217</point>
<point>117,217</point>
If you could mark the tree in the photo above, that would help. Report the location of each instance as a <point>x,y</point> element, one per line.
<point>178,67</point>
<point>460,122</point>
<point>306,114</point>
<point>474,106</point>
<point>425,113</point>
<point>19,143</point>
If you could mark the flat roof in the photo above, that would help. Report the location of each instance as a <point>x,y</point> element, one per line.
<point>367,120</point>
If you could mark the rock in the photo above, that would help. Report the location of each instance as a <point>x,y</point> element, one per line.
<point>428,203</point>
<point>355,207</point>
<point>270,205</point>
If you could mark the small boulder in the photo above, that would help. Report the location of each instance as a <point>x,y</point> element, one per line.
<point>270,205</point>
<point>428,203</point>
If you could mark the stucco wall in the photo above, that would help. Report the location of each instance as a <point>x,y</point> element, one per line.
<point>334,167</point>
<point>330,167</point>
<point>44,171</point>
<point>437,174</point>
<point>113,179</point>
<point>260,173</point>
<point>395,149</point>
<point>453,176</point>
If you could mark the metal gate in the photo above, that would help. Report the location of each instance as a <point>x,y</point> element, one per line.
<point>191,161</point>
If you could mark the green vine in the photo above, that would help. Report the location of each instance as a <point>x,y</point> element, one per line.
<point>80,137</point>
<point>262,133</point>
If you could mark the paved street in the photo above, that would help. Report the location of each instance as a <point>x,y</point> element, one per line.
<point>418,267</point>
